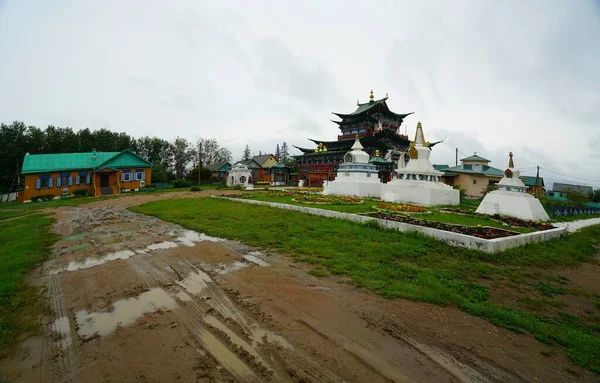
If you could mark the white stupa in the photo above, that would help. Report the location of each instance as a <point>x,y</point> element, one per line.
<point>418,182</point>
<point>512,199</point>
<point>356,176</point>
<point>239,175</point>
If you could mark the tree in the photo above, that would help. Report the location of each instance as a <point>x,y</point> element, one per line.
<point>159,173</point>
<point>576,198</point>
<point>277,153</point>
<point>183,153</point>
<point>246,156</point>
<point>210,152</point>
<point>596,195</point>
<point>285,154</point>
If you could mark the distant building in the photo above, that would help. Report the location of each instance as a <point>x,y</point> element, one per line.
<point>474,174</point>
<point>559,190</point>
<point>219,169</point>
<point>260,167</point>
<point>100,173</point>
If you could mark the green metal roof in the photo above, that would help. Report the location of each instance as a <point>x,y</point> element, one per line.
<point>530,180</point>
<point>378,160</point>
<point>485,170</point>
<point>44,163</point>
<point>475,157</point>
<point>279,165</point>
<point>440,167</point>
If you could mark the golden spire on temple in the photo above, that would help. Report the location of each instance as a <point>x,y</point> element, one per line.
<point>511,164</point>
<point>386,95</point>
<point>371,97</point>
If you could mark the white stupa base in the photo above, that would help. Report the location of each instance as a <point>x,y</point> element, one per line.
<point>424,193</point>
<point>514,204</point>
<point>355,185</point>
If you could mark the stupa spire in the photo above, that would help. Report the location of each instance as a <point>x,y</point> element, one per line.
<point>511,164</point>
<point>419,136</point>
<point>371,97</point>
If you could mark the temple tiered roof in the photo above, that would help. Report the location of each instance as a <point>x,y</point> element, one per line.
<point>382,140</point>
<point>372,111</point>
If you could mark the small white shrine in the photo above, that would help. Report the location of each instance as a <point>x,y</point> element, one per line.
<point>356,176</point>
<point>239,175</point>
<point>512,199</point>
<point>418,182</point>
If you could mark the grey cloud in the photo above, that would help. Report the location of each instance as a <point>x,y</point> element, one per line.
<point>280,70</point>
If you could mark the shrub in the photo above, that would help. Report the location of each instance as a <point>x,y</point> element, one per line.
<point>196,188</point>
<point>48,197</point>
<point>80,193</point>
<point>489,188</point>
<point>237,187</point>
<point>36,198</point>
<point>181,183</point>
<point>463,192</point>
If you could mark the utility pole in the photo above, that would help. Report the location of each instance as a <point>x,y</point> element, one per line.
<point>537,182</point>
<point>199,161</point>
<point>456,158</point>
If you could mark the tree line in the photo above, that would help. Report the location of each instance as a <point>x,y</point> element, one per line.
<point>172,160</point>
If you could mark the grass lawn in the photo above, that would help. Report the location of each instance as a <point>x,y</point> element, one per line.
<point>368,206</point>
<point>23,245</point>
<point>413,266</point>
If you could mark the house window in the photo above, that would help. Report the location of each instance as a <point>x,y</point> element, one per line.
<point>126,177</point>
<point>44,183</point>
<point>474,182</point>
<point>139,176</point>
<point>64,181</point>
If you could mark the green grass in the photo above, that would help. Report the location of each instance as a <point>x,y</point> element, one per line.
<point>368,206</point>
<point>407,265</point>
<point>23,245</point>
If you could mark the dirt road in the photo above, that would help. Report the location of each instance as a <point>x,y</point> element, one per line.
<point>136,299</point>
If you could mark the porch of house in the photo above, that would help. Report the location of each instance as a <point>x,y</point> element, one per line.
<point>106,182</point>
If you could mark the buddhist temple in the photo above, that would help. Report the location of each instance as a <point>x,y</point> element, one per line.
<point>378,129</point>
<point>418,182</point>
<point>511,198</point>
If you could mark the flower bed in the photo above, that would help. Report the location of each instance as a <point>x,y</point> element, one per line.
<point>485,232</point>
<point>511,221</point>
<point>320,198</point>
<point>398,207</point>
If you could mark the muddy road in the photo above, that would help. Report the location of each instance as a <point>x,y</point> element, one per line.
<point>136,299</point>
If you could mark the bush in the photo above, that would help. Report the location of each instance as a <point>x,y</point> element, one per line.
<point>489,188</point>
<point>80,193</point>
<point>43,197</point>
<point>237,187</point>
<point>463,192</point>
<point>196,188</point>
<point>181,183</point>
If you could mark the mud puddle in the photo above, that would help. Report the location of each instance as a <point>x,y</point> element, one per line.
<point>254,257</point>
<point>62,328</point>
<point>125,312</point>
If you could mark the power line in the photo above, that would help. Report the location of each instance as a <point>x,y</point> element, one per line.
<point>573,177</point>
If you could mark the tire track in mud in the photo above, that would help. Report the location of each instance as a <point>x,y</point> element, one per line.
<point>62,346</point>
<point>486,372</point>
<point>238,342</point>
<point>464,365</point>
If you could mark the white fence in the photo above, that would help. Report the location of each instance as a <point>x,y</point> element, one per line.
<point>8,197</point>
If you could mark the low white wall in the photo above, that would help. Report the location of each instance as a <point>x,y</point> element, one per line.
<point>455,239</point>
<point>576,225</point>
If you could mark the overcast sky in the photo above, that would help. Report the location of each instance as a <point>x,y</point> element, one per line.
<point>484,76</point>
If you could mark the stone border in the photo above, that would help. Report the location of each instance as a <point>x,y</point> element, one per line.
<point>573,226</point>
<point>454,239</point>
